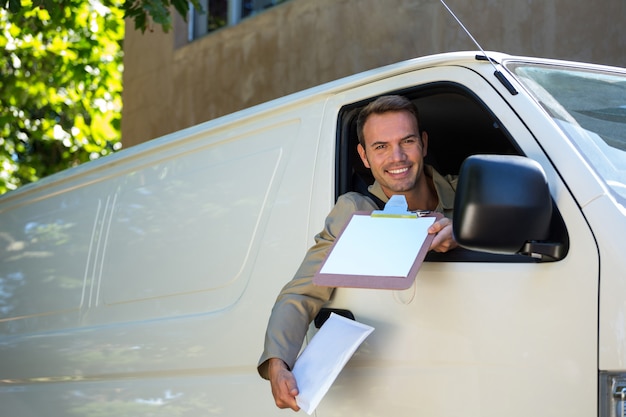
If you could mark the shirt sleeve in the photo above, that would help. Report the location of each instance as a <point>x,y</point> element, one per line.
<point>300,300</point>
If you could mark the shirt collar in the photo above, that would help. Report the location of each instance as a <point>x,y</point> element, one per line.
<point>444,186</point>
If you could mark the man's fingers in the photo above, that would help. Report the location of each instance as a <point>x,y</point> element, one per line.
<point>444,239</point>
<point>286,396</point>
<point>284,387</point>
<point>438,226</point>
<point>292,388</point>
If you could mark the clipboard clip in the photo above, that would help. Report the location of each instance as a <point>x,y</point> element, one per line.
<point>398,207</point>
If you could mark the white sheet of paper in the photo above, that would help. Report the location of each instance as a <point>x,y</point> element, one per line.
<point>324,357</point>
<point>378,246</point>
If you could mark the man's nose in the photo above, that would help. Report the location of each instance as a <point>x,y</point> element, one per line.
<point>397,153</point>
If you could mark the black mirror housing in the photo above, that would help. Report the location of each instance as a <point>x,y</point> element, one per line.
<point>502,202</point>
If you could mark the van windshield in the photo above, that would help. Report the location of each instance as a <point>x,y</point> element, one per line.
<point>590,107</point>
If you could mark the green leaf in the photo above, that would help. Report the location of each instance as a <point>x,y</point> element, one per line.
<point>182,7</point>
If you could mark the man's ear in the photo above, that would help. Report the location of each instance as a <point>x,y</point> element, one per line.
<point>363,156</point>
<point>424,143</point>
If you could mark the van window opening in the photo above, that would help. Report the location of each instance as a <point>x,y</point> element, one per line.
<point>458,125</point>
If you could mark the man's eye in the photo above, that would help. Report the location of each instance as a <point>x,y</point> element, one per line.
<point>381,146</point>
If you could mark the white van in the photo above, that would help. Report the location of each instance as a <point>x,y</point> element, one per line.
<point>141,284</point>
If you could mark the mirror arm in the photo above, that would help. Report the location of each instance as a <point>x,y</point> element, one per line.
<point>544,251</point>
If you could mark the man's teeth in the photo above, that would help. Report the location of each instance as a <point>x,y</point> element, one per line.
<point>398,171</point>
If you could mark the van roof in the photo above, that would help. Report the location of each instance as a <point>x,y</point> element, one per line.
<point>462,58</point>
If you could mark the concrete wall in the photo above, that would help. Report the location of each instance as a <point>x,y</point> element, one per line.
<point>170,84</point>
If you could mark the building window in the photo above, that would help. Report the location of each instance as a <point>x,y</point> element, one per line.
<point>221,13</point>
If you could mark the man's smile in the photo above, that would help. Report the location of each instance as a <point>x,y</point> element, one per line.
<point>398,171</point>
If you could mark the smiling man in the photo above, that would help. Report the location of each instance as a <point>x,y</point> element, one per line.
<point>392,146</point>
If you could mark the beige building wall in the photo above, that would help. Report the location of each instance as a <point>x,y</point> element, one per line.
<point>171,84</point>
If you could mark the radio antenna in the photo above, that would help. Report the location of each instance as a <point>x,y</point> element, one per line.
<point>497,72</point>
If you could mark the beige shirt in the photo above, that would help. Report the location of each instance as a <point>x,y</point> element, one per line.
<point>300,300</point>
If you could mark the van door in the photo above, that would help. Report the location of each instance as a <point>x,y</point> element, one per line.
<point>488,337</point>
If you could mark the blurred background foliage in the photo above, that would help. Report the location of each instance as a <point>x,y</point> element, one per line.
<point>61,64</point>
<point>60,88</point>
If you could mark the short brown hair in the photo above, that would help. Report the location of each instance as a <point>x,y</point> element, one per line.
<point>385,104</point>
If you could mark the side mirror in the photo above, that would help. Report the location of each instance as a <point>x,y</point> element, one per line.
<point>503,205</point>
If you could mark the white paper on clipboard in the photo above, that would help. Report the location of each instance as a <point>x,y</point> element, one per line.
<point>378,251</point>
<point>379,246</point>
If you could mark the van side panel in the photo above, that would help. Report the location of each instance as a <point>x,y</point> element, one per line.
<point>176,260</point>
<point>46,264</point>
<point>184,227</point>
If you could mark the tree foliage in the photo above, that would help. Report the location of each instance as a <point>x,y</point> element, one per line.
<point>145,13</point>
<point>60,87</point>
<point>61,80</point>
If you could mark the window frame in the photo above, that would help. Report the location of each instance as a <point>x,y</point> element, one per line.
<point>235,15</point>
<point>348,165</point>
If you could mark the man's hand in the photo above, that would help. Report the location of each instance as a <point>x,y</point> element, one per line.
<point>284,388</point>
<point>444,240</point>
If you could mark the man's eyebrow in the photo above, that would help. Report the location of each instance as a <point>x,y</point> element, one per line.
<point>383,142</point>
<point>380,142</point>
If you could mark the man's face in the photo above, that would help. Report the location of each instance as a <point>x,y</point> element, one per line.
<point>393,150</point>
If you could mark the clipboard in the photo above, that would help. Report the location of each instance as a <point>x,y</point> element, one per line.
<point>382,249</point>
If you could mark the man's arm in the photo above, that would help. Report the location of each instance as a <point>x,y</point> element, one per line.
<point>299,302</point>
